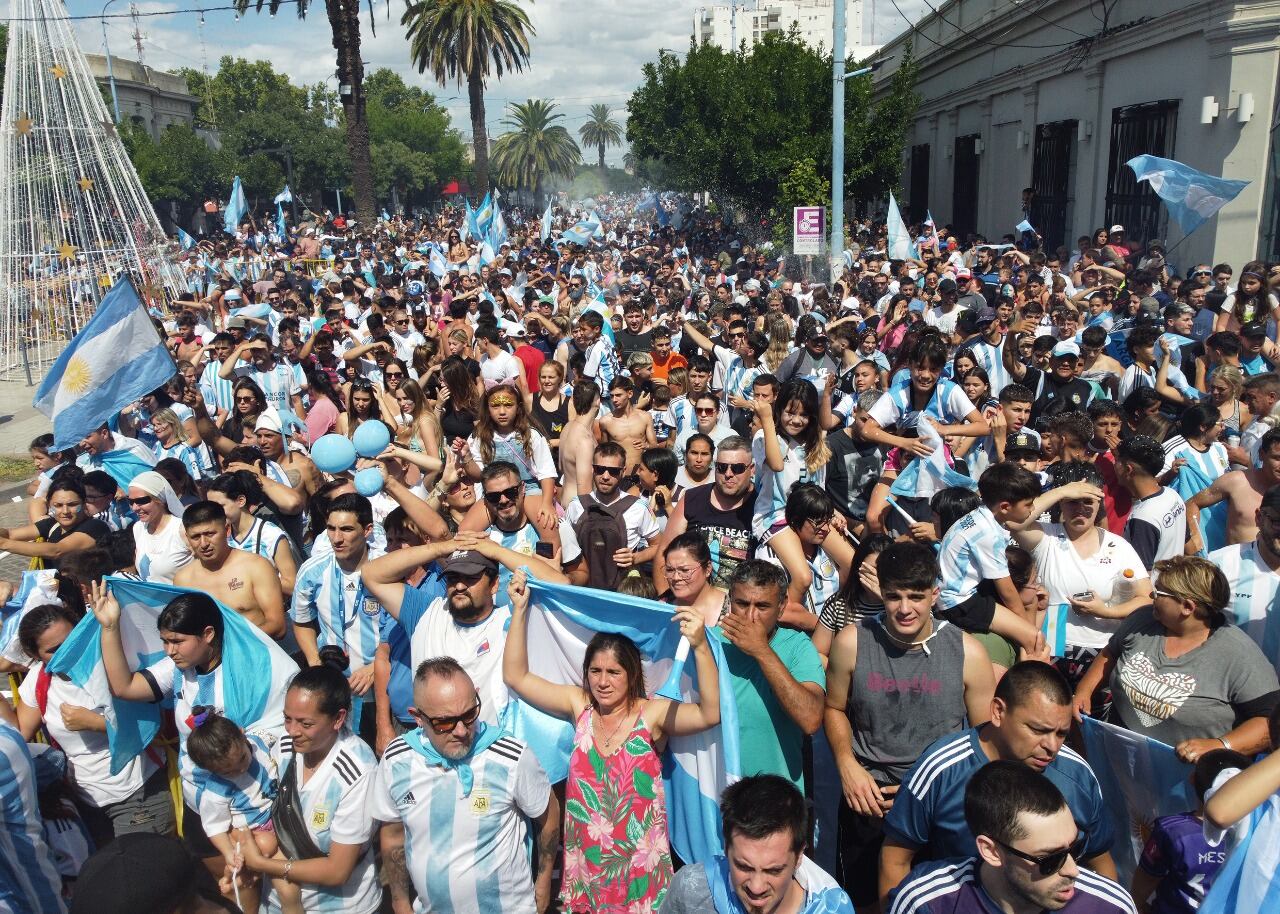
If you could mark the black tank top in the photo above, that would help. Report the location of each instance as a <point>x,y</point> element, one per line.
<point>551,422</point>
<point>728,533</point>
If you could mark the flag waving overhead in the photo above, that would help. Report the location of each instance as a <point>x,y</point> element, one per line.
<point>255,701</point>
<point>483,217</point>
<point>562,620</point>
<point>1192,197</point>
<point>900,246</point>
<point>114,360</point>
<point>185,240</point>
<point>285,196</point>
<point>546,225</point>
<point>236,208</point>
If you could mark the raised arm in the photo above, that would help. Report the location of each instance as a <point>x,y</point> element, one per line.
<point>124,682</point>
<point>563,701</point>
<point>683,718</point>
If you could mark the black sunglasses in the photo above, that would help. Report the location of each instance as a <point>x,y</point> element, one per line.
<point>139,502</point>
<point>735,468</point>
<point>1049,864</point>
<point>447,724</point>
<point>496,498</point>
<point>602,470</point>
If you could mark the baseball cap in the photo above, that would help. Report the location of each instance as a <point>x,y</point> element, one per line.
<point>1254,330</point>
<point>964,274</point>
<point>142,873</point>
<point>516,329</point>
<point>1025,440</point>
<point>1114,229</point>
<point>751,285</point>
<point>236,323</point>
<point>269,421</point>
<point>915,305</point>
<point>947,284</point>
<point>468,562</point>
<point>1064,349</point>
<point>986,316</point>
<point>1150,305</point>
<point>504,272</point>
<point>232,295</point>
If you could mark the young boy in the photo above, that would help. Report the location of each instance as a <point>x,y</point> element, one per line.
<point>977,593</point>
<point>1008,421</point>
<point>1178,862</point>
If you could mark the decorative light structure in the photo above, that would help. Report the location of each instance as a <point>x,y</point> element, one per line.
<point>73,214</point>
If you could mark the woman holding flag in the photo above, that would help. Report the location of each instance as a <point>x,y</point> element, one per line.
<point>616,848</point>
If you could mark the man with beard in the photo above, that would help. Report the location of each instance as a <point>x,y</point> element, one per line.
<point>895,683</point>
<point>1028,856</point>
<point>247,583</point>
<point>464,623</point>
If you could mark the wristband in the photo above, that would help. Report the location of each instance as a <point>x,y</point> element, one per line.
<point>1225,744</point>
<point>287,867</point>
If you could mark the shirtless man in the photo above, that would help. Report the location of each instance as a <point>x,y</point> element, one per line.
<point>1243,491</point>
<point>245,582</point>
<point>630,427</point>
<point>578,441</point>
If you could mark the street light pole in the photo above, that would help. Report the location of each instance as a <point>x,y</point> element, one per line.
<point>111,76</point>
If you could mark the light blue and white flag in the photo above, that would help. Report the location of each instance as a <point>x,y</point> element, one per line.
<point>258,310</point>
<point>579,233</point>
<point>439,266</point>
<point>1192,197</point>
<point>1141,780</point>
<point>36,589</point>
<point>185,240</point>
<point>468,222</point>
<point>236,208</point>
<point>1055,628</point>
<point>1249,881</point>
<point>281,228</point>
<point>598,234</point>
<point>900,246</point>
<point>497,230</point>
<point>285,196</point>
<point>933,230</point>
<point>483,216</point>
<point>1024,226</point>
<point>562,620</point>
<point>250,701</point>
<point>487,255</point>
<point>545,233</point>
<point>926,475</point>
<point>114,360</point>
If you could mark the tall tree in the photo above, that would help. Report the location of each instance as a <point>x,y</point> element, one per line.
<point>344,23</point>
<point>600,130</point>
<point>468,41</point>
<point>535,148</point>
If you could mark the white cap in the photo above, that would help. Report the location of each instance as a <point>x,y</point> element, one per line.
<point>1065,348</point>
<point>1115,228</point>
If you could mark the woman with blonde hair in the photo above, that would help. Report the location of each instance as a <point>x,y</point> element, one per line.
<point>778,327</point>
<point>1226,383</point>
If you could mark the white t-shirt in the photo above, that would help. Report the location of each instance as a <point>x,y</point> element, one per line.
<point>503,368</point>
<point>88,751</point>
<point>162,553</point>
<point>509,447</point>
<point>641,526</point>
<point>1064,573</point>
<point>479,647</point>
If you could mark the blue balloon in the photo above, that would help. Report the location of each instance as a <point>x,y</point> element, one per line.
<point>371,438</point>
<point>333,454</point>
<point>368,482</point>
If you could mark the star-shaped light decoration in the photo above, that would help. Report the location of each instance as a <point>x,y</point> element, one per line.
<point>57,71</point>
<point>86,184</point>
<point>67,251</point>
<point>23,125</point>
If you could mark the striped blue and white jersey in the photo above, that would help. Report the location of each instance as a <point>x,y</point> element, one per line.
<point>182,452</point>
<point>465,853</point>
<point>348,615</point>
<point>335,808</point>
<point>263,538</point>
<point>971,552</point>
<point>524,541</point>
<point>243,801</point>
<point>1255,595</point>
<point>928,811</point>
<point>217,391</point>
<point>772,487</point>
<point>602,363</point>
<point>278,383</point>
<point>29,880</point>
<point>991,360</point>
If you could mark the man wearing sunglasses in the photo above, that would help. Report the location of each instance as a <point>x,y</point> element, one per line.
<point>1027,857</point>
<point>1030,720</point>
<point>607,533</point>
<point>461,793</point>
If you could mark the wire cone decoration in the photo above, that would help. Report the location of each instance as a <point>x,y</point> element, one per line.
<point>73,214</point>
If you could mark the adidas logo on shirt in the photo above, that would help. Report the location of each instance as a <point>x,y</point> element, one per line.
<point>407,800</point>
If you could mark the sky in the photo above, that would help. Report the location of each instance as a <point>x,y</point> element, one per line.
<point>582,53</point>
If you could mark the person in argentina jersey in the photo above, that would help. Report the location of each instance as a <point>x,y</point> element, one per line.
<point>278,382</point>
<point>1027,860</point>
<point>1030,720</point>
<point>329,769</point>
<point>1254,572</point>
<point>29,881</point>
<point>459,795</point>
<point>219,397</point>
<point>331,605</point>
<point>192,674</point>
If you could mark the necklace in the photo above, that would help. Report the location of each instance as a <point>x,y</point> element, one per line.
<point>608,740</point>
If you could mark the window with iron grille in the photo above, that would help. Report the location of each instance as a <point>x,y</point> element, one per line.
<point>964,195</point>
<point>1052,177</point>
<point>1137,130</point>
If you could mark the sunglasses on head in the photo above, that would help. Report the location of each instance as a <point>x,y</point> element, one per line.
<point>496,498</point>
<point>602,470</point>
<point>448,724</point>
<point>1049,864</point>
<point>734,468</point>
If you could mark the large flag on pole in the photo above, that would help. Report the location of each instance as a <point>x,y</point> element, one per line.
<point>1141,780</point>
<point>253,702</point>
<point>1192,197</point>
<point>562,620</point>
<point>483,215</point>
<point>114,360</point>
<point>900,246</point>
<point>236,208</point>
<point>546,225</point>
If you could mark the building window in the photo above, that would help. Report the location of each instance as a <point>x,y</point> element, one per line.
<point>964,196</point>
<point>1052,176</point>
<point>919,190</point>
<point>1135,130</point>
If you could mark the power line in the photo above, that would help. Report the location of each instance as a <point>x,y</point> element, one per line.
<point>130,15</point>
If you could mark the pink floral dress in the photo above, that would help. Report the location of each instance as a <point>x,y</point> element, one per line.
<point>617,859</point>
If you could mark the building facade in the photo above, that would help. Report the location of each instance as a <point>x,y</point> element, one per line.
<point>728,25</point>
<point>1058,95</point>
<point>151,98</point>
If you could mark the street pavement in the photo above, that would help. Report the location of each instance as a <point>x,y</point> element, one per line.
<point>19,424</point>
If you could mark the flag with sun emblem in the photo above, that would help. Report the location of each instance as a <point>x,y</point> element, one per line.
<point>114,360</point>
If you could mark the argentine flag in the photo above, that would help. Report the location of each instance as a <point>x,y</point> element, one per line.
<point>546,225</point>
<point>696,769</point>
<point>439,266</point>
<point>250,701</point>
<point>926,475</point>
<point>1192,197</point>
<point>113,361</point>
<point>185,240</point>
<point>497,234</point>
<point>580,233</point>
<point>36,589</point>
<point>483,216</point>
<point>236,208</point>
<point>900,246</point>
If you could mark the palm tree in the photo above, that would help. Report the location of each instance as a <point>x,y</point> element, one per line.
<point>467,41</point>
<point>535,148</point>
<point>344,21</point>
<point>600,130</point>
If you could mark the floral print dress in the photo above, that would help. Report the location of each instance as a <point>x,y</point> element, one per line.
<point>617,859</point>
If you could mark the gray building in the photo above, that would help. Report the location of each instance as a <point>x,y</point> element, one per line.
<point>1058,94</point>
<point>149,97</point>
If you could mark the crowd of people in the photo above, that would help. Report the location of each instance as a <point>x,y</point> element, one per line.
<point>932,515</point>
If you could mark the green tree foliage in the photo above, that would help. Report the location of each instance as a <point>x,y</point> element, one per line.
<point>535,148</point>
<point>737,123</point>
<point>415,150</point>
<point>802,186</point>
<point>600,131</point>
